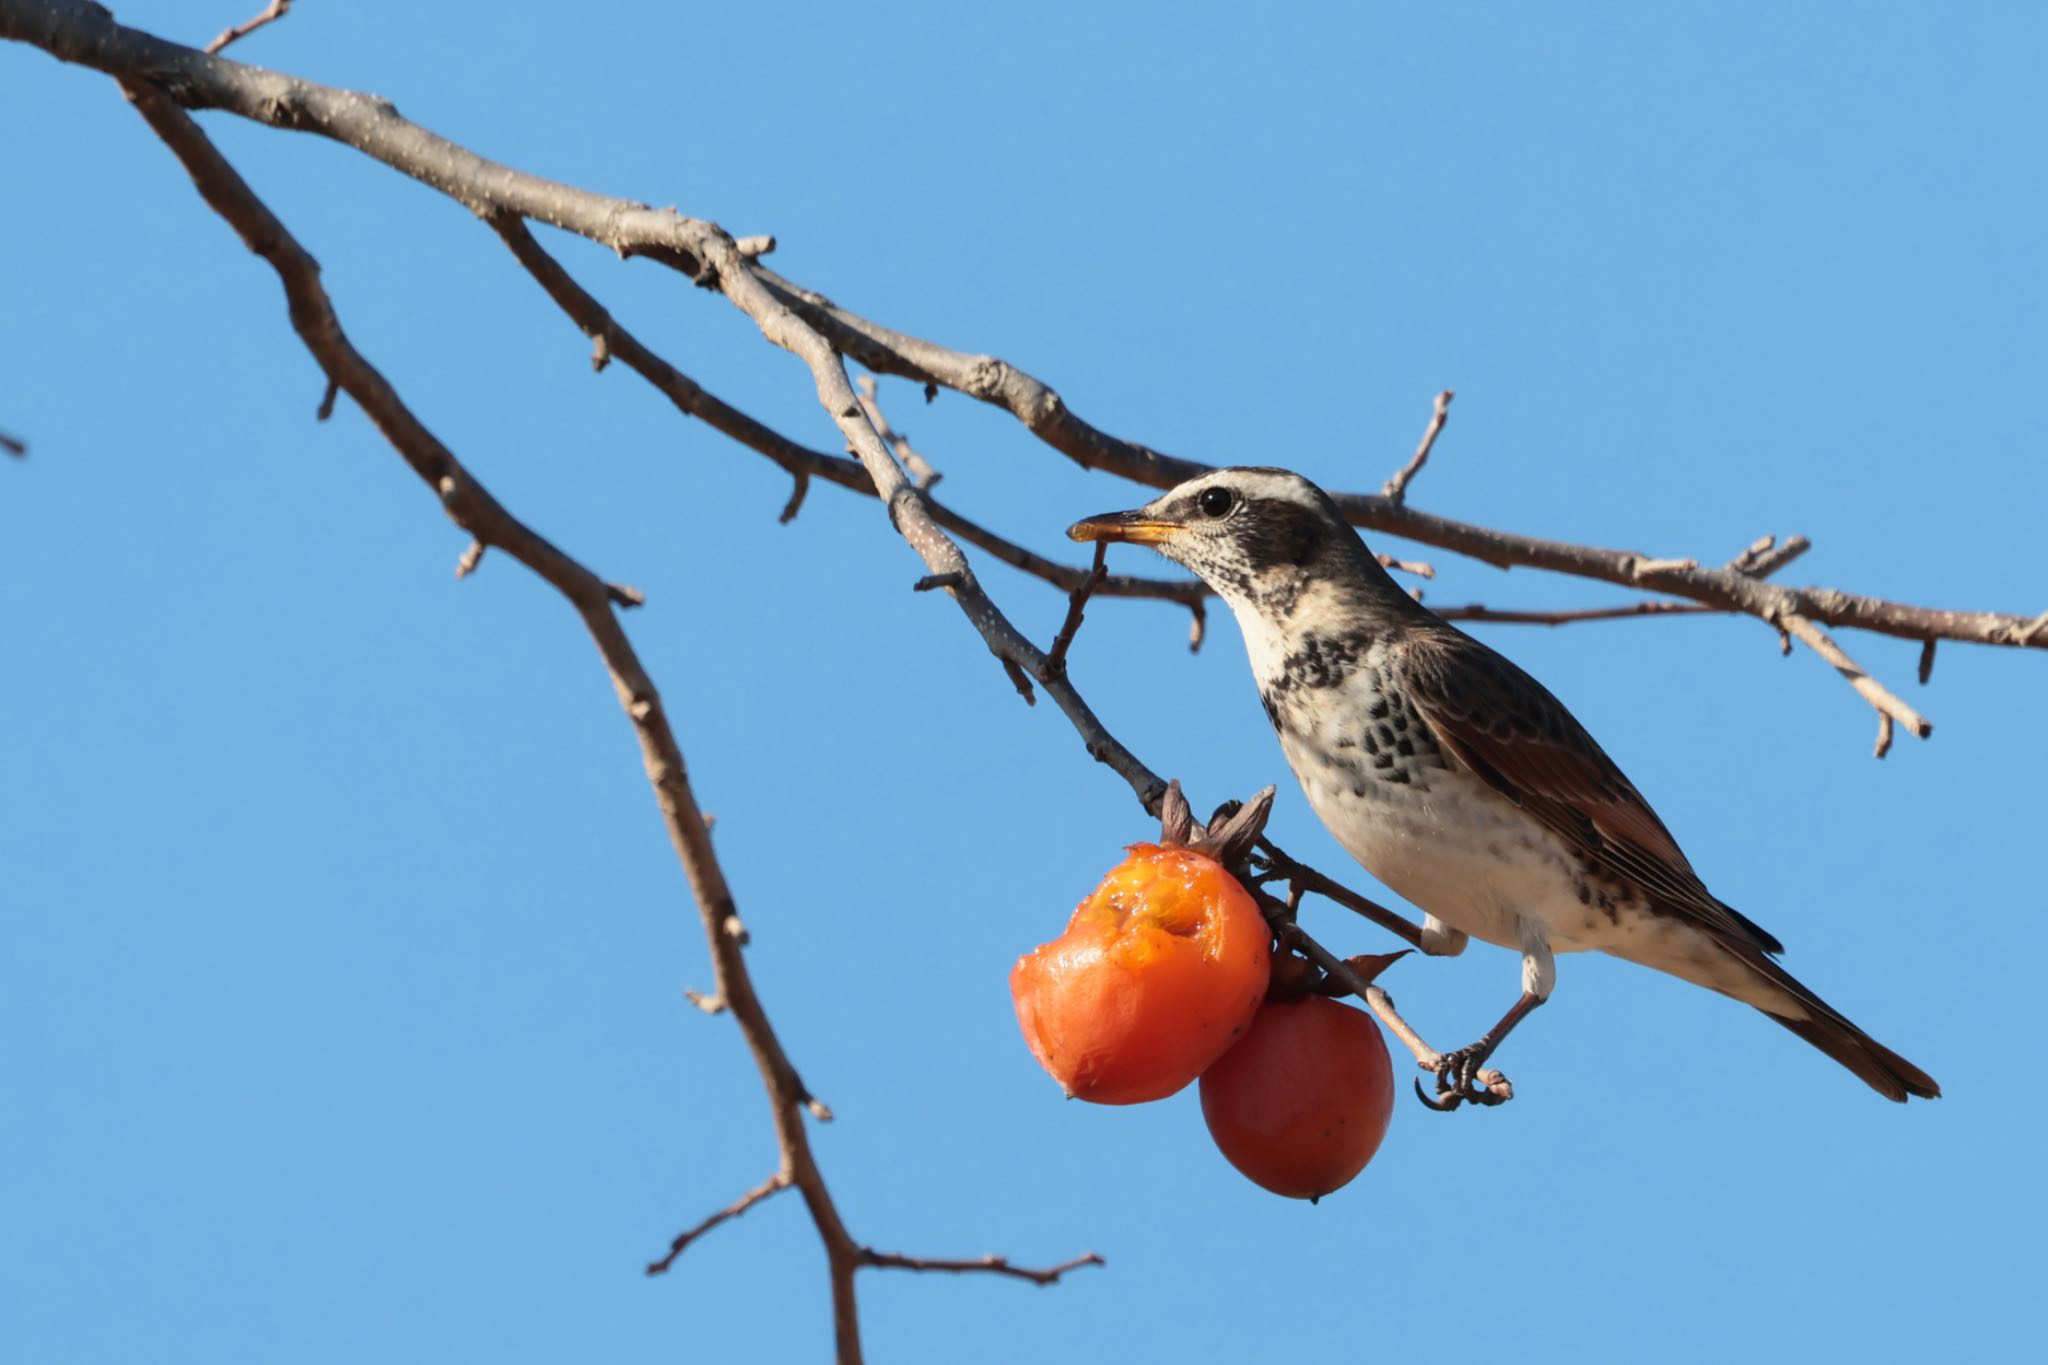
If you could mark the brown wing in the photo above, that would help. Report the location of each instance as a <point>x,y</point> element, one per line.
<point>1507,728</point>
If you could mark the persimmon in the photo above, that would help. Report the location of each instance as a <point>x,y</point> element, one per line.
<point>1301,1103</point>
<point>1159,971</point>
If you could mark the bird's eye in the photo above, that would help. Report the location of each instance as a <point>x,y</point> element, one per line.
<point>1216,502</point>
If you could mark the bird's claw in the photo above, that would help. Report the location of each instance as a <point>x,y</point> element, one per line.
<point>1459,1078</point>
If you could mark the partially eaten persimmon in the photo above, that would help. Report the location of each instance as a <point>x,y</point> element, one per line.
<point>1160,970</point>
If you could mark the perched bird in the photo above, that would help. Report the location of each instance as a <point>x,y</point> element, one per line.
<point>1456,778</point>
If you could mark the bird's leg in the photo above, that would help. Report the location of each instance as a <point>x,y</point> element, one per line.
<point>1458,1074</point>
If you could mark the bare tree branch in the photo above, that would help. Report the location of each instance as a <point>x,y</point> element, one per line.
<point>473,508</point>
<point>801,462</point>
<point>161,76</point>
<point>77,31</point>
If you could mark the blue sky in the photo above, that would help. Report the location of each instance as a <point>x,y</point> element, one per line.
<point>343,954</point>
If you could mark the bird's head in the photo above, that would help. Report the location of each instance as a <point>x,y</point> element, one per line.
<point>1264,539</point>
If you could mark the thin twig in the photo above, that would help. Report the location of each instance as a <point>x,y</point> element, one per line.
<point>1077,602</point>
<point>798,488</point>
<point>773,1185</point>
<point>1867,687</point>
<point>1305,878</point>
<point>1396,488</point>
<point>1420,568</point>
<point>1765,556</point>
<point>1478,611</point>
<point>13,445</point>
<point>277,10</point>
<point>991,1265</point>
<point>921,472</point>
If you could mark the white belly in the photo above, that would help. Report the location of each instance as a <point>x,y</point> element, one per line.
<point>1468,858</point>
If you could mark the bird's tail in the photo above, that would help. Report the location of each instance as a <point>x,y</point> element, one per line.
<point>1882,1069</point>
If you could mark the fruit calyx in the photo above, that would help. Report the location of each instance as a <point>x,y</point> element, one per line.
<point>1229,835</point>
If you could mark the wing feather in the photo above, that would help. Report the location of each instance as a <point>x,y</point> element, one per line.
<point>1511,732</point>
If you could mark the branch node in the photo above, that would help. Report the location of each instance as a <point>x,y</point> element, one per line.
<point>600,353</point>
<point>733,928</point>
<point>1198,626</point>
<point>622,595</point>
<point>1884,735</point>
<point>710,1004</point>
<point>755,246</point>
<point>1926,660</point>
<point>326,408</point>
<point>938,580</point>
<point>471,557</point>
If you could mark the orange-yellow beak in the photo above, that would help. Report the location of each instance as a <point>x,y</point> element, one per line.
<point>1135,527</point>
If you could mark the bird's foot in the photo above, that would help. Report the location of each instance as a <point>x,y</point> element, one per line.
<point>1463,1076</point>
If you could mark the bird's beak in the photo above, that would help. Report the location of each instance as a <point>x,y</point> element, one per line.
<point>1134,526</point>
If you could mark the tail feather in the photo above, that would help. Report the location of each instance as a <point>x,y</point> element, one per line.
<point>1883,1070</point>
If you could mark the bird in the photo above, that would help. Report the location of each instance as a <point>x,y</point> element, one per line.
<point>1459,781</point>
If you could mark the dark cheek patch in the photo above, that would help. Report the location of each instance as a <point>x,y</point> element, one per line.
<point>1277,533</point>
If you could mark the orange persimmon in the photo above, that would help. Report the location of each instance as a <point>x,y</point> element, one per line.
<point>1160,970</point>
<point>1301,1103</point>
